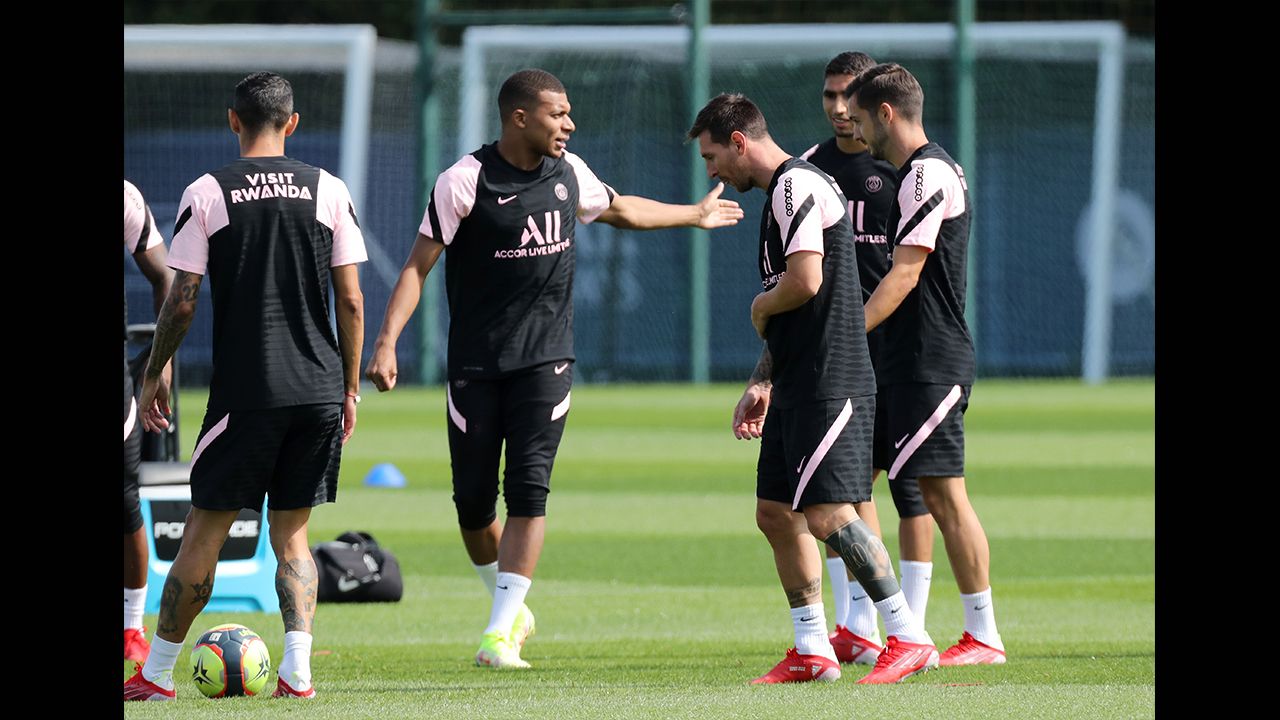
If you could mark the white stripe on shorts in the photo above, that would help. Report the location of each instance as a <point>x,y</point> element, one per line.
<point>559,411</point>
<point>133,416</point>
<point>209,437</point>
<point>925,431</point>
<point>454,415</point>
<point>828,440</point>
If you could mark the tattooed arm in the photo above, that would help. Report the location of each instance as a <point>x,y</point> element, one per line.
<point>171,327</point>
<point>748,416</point>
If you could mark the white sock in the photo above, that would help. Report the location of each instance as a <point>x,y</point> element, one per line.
<point>916,577</point>
<point>810,623</point>
<point>900,622</point>
<point>980,618</point>
<point>295,668</point>
<point>861,619</point>
<point>135,601</point>
<point>839,587</point>
<point>159,666</point>
<point>488,575</point>
<point>508,595</point>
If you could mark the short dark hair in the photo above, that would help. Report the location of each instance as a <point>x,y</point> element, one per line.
<point>262,98</point>
<point>522,88</point>
<point>726,113</point>
<point>888,83</point>
<point>849,63</point>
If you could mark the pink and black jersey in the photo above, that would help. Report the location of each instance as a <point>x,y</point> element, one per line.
<point>820,348</point>
<point>266,231</point>
<point>927,339</point>
<point>509,258</point>
<point>140,233</point>
<point>868,186</point>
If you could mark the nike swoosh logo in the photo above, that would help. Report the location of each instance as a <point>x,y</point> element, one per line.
<point>980,607</point>
<point>504,201</point>
<point>809,619</point>
<point>899,443</point>
<point>503,587</point>
<point>800,467</point>
<point>856,599</point>
<point>894,611</point>
<point>562,368</point>
<point>347,584</point>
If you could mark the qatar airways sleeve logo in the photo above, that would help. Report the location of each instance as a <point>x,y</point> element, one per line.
<point>535,240</point>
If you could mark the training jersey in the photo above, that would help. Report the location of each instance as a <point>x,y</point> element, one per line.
<point>819,349</point>
<point>509,257</point>
<point>266,231</point>
<point>868,186</point>
<point>140,233</point>
<point>928,340</point>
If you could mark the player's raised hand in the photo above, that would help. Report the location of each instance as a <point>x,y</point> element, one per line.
<point>748,416</point>
<point>717,213</point>
<point>382,368</point>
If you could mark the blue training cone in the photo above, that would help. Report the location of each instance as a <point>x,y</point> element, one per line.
<point>385,475</point>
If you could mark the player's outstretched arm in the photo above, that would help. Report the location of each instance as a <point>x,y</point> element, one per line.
<point>908,261</point>
<point>634,212</point>
<point>748,416</point>
<point>404,299</point>
<point>171,327</point>
<point>349,309</point>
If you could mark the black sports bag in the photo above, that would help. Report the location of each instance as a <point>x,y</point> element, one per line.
<point>354,568</point>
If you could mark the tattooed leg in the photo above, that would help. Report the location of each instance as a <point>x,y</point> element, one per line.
<point>297,581</point>
<point>189,585</point>
<point>866,556</point>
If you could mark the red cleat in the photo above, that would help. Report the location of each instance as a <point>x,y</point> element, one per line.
<point>136,647</point>
<point>283,690</point>
<point>972,651</point>
<point>800,668</point>
<point>140,688</point>
<point>852,648</point>
<point>900,660</point>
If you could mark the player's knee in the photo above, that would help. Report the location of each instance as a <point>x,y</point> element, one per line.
<point>775,519</point>
<point>526,499</point>
<point>288,541</point>
<point>942,500</point>
<point>476,510</point>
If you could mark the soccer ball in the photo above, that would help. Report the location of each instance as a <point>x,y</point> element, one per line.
<point>230,660</point>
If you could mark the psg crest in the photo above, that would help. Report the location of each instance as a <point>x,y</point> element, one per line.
<point>874,183</point>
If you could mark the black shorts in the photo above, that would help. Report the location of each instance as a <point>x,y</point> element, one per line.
<point>526,411</point>
<point>905,490</point>
<point>817,453</point>
<point>289,454</point>
<point>925,429</point>
<point>132,454</point>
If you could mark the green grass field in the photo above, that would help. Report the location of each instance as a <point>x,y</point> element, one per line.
<point>656,596</point>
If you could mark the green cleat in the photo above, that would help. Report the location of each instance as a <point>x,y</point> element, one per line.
<point>523,627</point>
<point>497,651</point>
